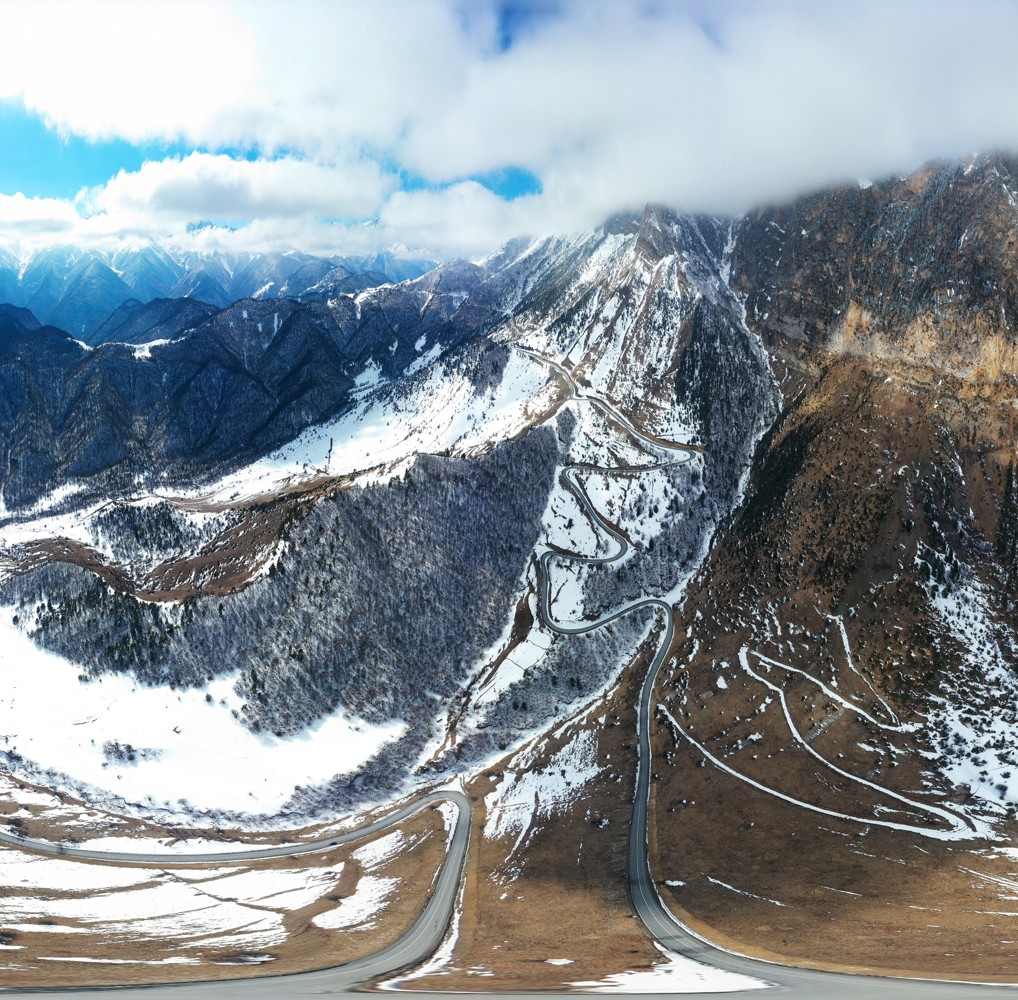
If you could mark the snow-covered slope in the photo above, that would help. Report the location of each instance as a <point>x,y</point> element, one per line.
<point>580,336</point>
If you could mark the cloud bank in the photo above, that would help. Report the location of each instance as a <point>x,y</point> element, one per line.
<point>309,118</point>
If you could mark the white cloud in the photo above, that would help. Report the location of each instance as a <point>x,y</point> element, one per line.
<point>132,71</point>
<point>611,104</point>
<point>617,108</point>
<point>36,215</point>
<point>304,75</point>
<point>459,220</point>
<point>203,185</point>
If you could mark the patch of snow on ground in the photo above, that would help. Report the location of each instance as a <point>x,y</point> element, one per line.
<point>434,353</point>
<point>976,734</point>
<point>56,498</point>
<point>675,975</point>
<point>356,912</point>
<point>81,526</point>
<point>380,851</point>
<point>369,378</point>
<point>203,756</point>
<point>373,892</point>
<point>158,907</point>
<point>283,889</point>
<point>516,664</point>
<point>525,796</point>
<point>141,903</point>
<point>9,792</point>
<point>565,591</point>
<point>144,351</point>
<point>743,892</point>
<point>37,871</point>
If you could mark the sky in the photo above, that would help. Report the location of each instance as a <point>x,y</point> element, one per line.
<point>345,126</point>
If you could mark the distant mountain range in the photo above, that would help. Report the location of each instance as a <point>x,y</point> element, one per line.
<point>208,385</point>
<point>77,289</point>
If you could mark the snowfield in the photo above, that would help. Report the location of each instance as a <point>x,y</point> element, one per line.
<point>435,412</point>
<point>198,758</point>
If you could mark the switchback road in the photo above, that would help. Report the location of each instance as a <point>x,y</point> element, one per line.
<point>427,932</point>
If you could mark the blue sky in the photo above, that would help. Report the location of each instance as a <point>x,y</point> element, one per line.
<point>39,162</point>
<point>452,125</point>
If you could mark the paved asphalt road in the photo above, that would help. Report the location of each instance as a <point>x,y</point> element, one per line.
<point>416,946</point>
<point>250,854</point>
<point>427,932</point>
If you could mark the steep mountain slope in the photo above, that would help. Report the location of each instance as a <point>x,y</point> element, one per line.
<point>161,319</point>
<point>150,270</point>
<point>398,263</point>
<point>248,379</point>
<point>450,363</point>
<point>331,526</point>
<point>849,649</point>
<point>91,292</point>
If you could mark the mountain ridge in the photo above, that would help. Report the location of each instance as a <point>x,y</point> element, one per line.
<point>77,288</point>
<point>837,545</point>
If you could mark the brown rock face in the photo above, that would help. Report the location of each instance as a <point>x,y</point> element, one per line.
<point>922,268</point>
<point>845,657</point>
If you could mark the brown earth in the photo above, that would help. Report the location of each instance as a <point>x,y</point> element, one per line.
<point>305,947</point>
<point>859,473</point>
<point>569,884</point>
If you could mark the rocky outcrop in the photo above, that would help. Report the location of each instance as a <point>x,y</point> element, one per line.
<point>924,268</point>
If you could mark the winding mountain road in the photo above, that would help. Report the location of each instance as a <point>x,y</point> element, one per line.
<point>418,944</point>
<point>660,922</point>
<point>248,854</point>
<point>428,930</point>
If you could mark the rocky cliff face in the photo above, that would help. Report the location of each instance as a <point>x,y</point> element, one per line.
<point>922,268</point>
